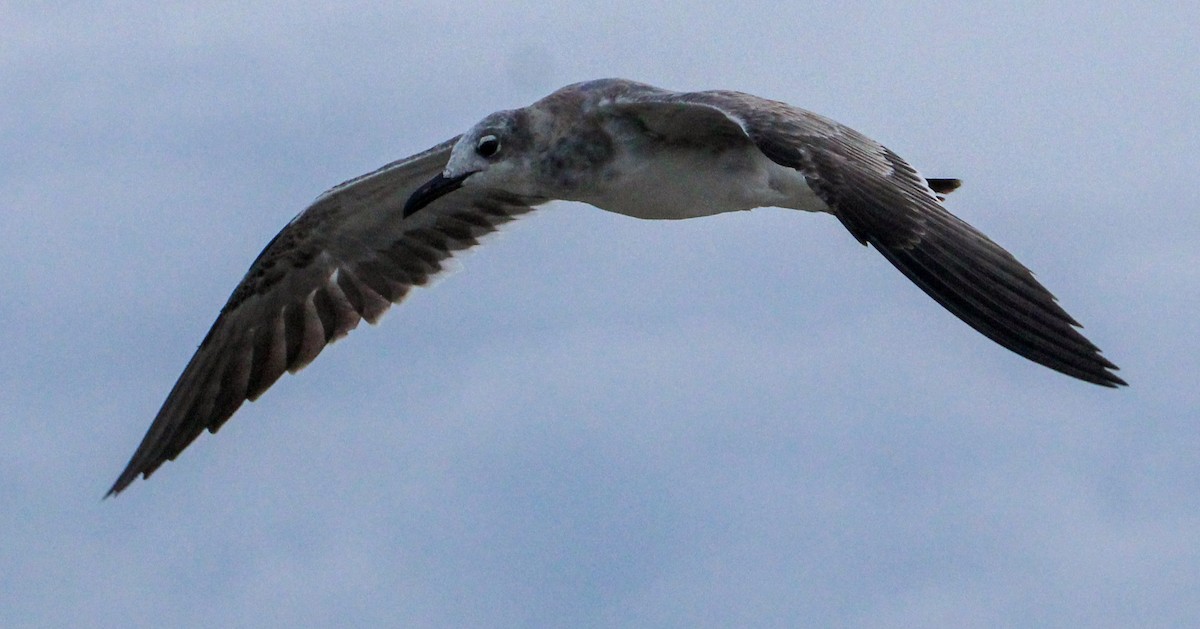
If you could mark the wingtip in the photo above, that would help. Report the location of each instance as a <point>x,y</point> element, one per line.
<point>117,488</point>
<point>127,477</point>
<point>1113,381</point>
<point>1099,371</point>
<point>1104,373</point>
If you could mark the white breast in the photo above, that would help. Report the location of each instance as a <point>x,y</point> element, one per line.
<point>686,183</point>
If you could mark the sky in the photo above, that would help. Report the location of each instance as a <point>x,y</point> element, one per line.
<point>594,421</point>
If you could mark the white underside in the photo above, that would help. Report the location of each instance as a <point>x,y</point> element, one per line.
<point>690,183</point>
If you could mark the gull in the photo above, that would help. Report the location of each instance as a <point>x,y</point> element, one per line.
<point>621,146</point>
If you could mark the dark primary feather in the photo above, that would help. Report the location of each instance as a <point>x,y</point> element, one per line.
<point>347,257</point>
<point>884,202</point>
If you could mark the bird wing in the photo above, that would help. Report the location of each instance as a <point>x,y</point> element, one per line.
<point>349,256</point>
<point>884,202</point>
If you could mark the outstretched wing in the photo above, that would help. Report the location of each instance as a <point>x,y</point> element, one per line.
<point>884,202</point>
<point>349,256</point>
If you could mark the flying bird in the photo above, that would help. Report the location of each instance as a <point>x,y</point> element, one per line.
<point>624,147</point>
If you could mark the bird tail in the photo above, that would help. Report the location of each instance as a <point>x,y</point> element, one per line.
<point>943,186</point>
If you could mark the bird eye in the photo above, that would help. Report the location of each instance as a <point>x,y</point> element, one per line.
<point>488,146</point>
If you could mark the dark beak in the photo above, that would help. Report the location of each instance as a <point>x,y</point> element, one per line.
<point>433,190</point>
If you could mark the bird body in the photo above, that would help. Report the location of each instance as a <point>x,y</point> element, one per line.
<point>624,147</point>
<point>681,183</point>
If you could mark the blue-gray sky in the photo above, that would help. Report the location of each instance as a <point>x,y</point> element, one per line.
<point>597,421</point>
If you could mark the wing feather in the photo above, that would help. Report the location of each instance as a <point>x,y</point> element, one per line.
<point>347,257</point>
<point>884,202</point>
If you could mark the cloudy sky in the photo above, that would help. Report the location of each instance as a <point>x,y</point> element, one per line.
<point>597,421</point>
